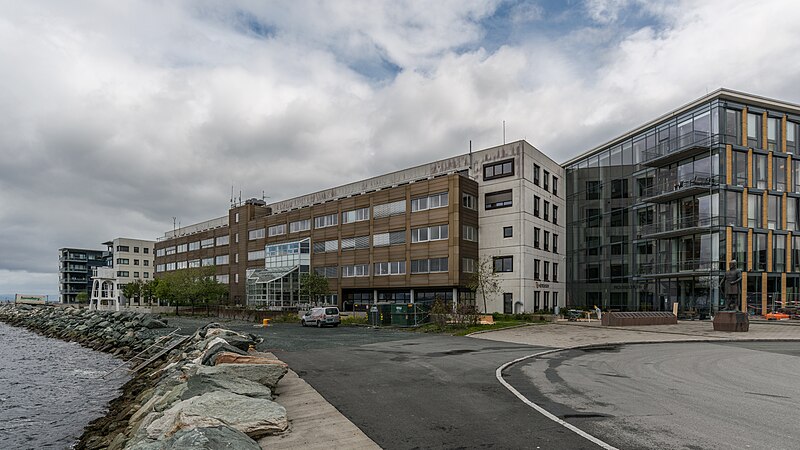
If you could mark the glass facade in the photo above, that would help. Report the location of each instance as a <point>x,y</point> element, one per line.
<point>652,216</point>
<point>277,285</point>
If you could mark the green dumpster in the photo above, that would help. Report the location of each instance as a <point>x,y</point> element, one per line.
<point>384,313</point>
<point>408,315</point>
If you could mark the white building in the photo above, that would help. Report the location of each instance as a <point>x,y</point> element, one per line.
<point>132,260</point>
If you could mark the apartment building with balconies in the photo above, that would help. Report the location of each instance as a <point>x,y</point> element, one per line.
<point>75,269</point>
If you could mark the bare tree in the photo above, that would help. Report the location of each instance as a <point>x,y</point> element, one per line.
<point>484,280</point>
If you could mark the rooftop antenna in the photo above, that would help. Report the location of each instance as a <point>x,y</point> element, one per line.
<point>174,230</point>
<point>470,156</point>
<point>231,195</point>
<point>504,132</point>
<point>240,196</point>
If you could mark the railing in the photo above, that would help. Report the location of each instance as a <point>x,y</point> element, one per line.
<point>684,182</point>
<point>686,265</point>
<point>679,223</point>
<point>196,228</point>
<point>695,139</point>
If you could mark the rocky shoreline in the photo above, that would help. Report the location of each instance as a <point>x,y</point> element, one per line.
<point>213,391</point>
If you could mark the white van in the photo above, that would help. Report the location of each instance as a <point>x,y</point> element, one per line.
<point>327,315</point>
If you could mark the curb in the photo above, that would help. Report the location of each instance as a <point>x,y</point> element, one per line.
<point>505,328</point>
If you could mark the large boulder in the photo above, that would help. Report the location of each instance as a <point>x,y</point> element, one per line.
<point>203,383</point>
<point>238,358</point>
<point>206,438</point>
<point>266,374</point>
<point>255,417</point>
<point>210,354</point>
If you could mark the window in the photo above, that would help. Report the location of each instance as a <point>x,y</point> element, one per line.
<point>136,274</point>
<point>392,238</point>
<point>470,233</point>
<point>619,217</point>
<point>205,262</point>
<point>160,267</point>
<point>223,279</point>
<point>123,261</point>
<point>546,241</point>
<point>256,255</point>
<point>135,250</point>
<point>277,230</point>
<point>170,250</point>
<point>207,243</point>
<point>183,264</point>
<point>223,240</point>
<point>791,137</point>
<point>546,210</point>
<point>237,218</point>
<point>754,211</point>
<point>360,242</point>
<point>256,234</point>
<point>146,262</point>
<point>498,170</point>
<point>146,251</point>
<point>123,248</point>
<point>619,188</point>
<point>739,169</point>
<point>300,225</point>
<point>326,221</point>
<point>503,264</point>
<point>536,203</point>
<point>508,303</point>
<point>146,274</point>
<point>618,245</point>
<point>778,253</point>
<point>221,259</point>
<point>592,216</point>
<point>536,297</point>
<point>356,215</point>
<point>536,174</point>
<point>327,272</point>
<point>434,233</point>
<point>555,278</point>
<point>429,202</point>
<point>536,233</point>
<point>759,252</point>
<point>194,263</point>
<point>774,212</point>
<point>791,213</point>
<point>593,190</point>
<point>125,273</point>
<point>508,232</point>
<point>469,201</point>
<point>135,262</point>
<point>779,173</point>
<point>194,245</point>
<point>593,247</point>
<point>536,265</point>
<point>555,186</point>
<point>774,134</point>
<point>754,130</point>
<point>389,209</point>
<point>546,180</point>
<point>467,265</point>
<point>733,127</point>
<point>501,199</point>
<point>432,265</point>
<point>170,266</point>
<point>546,271</point>
<point>326,246</point>
<point>733,208</point>
<point>555,215</point>
<point>358,270</point>
<point>390,268</point>
<point>555,243</point>
<point>760,171</point>
<point>160,252</point>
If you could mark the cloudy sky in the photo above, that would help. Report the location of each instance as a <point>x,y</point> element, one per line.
<point>117,116</point>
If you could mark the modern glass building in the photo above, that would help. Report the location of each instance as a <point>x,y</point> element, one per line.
<point>655,215</point>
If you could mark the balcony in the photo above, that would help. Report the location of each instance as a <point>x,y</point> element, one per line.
<point>679,226</point>
<point>674,150</point>
<point>73,268</point>
<point>684,267</point>
<point>677,186</point>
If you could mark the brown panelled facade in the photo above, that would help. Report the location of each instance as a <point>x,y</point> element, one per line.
<point>255,215</point>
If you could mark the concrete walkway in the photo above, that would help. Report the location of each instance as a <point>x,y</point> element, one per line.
<point>575,334</point>
<point>313,422</point>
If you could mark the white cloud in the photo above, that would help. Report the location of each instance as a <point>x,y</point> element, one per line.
<point>120,115</point>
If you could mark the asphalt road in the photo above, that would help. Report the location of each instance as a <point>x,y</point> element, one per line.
<point>407,390</point>
<point>694,396</point>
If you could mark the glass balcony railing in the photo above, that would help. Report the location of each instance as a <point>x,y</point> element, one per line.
<point>676,186</point>
<point>678,225</point>
<point>684,146</point>
<point>677,267</point>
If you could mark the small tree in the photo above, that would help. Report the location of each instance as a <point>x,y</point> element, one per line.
<point>132,290</point>
<point>82,297</point>
<point>484,280</point>
<point>149,290</point>
<point>314,286</point>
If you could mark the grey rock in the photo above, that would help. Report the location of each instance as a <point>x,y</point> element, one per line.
<point>209,356</point>
<point>266,374</point>
<point>203,383</point>
<point>206,438</point>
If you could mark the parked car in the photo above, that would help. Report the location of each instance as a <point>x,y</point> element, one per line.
<point>327,315</point>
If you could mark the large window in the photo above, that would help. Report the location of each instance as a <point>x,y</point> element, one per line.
<point>555,186</point>
<point>760,171</point>
<point>356,215</point>
<point>774,134</point>
<point>390,268</point>
<point>467,265</point>
<point>326,221</point>
<point>432,265</point>
<point>389,209</point>
<point>536,170</point>
<point>503,264</point>
<point>469,201</point>
<point>619,188</point>
<point>546,180</point>
<point>358,270</point>
<point>779,173</point>
<point>498,170</point>
<point>537,263</point>
<point>593,190</point>
<point>300,225</point>
<point>779,253</point>
<point>277,230</point>
<point>391,238</point>
<point>170,250</point>
<point>733,126</point>
<point>754,211</point>
<point>555,215</point>
<point>255,255</point>
<point>196,245</point>
<point>733,208</point>
<point>791,213</point>
<point>434,233</point>
<point>739,169</point>
<point>222,240</point>
<point>739,249</point>
<point>760,252</point>
<point>795,253</point>
<point>326,246</point>
<point>470,233</point>
<point>774,212</point>
<point>429,202</point>
<point>355,243</point>
<point>792,131</point>
<point>501,199</point>
<point>221,259</point>
<point>181,248</point>
<point>536,205</point>
<point>256,234</point>
<point>207,243</point>
<point>754,130</point>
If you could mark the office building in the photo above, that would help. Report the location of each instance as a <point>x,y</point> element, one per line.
<point>132,259</point>
<point>657,214</point>
<point>408,236</point>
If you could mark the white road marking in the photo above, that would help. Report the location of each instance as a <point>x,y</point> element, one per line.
<point>499,375</point>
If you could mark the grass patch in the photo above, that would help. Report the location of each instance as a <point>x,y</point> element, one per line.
<point>354,320</point>
<point>460,330</point>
